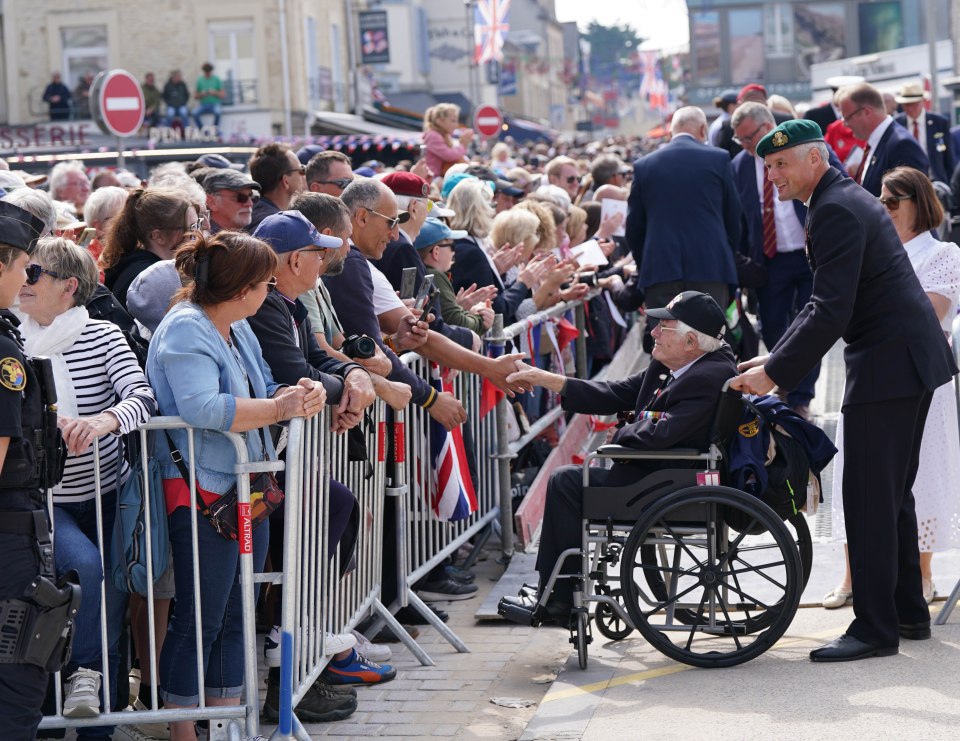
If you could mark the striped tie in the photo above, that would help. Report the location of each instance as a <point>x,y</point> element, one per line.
<point>863,166</point>
<point>769,222</point>
<point>916,130</point>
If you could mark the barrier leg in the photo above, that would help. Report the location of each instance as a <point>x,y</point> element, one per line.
<point>398,630</point>
<point>431,617</point>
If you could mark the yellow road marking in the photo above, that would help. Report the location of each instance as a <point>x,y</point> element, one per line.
<point>668,670</point>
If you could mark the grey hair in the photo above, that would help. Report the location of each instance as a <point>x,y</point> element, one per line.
<point>71,261</point>
<point>688,120</point>
<point>704,341</point>
<point>60,172</point>
<point>756,112</point>
<point>103,203</point>
<point>38,203</point>
<point>820,147</point>
<point>363,193</point>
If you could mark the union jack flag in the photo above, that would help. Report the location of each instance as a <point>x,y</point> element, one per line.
<point>489,29</point>
<point>452,496</point>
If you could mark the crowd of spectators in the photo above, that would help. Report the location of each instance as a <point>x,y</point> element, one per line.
<point>270,267</point>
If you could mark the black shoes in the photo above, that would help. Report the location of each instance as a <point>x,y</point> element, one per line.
<point>848,648</point>
<point>915,631</point>
<point>445,588</point>
<point>524,610</point>
<point>323,703</point>
<point>409,616</point>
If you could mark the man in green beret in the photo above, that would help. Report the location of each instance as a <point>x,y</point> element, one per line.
<point>865,292</point>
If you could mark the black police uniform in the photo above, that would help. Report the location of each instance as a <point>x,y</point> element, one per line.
<point>22,686</point>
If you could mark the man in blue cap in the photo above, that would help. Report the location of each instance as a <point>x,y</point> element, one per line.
<point>865,292</point>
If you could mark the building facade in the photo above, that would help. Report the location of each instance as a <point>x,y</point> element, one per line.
<point>733,42</point>
<point>280,60</point>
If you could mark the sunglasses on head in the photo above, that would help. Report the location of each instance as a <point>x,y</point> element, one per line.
<point>34,272</point>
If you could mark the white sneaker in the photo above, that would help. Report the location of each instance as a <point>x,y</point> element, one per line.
<point>159,731</point>
<point>134,684</point>
<point>376,652</point>
<point>271,646</point>
<point>83,694</point>
<point>334,643</point>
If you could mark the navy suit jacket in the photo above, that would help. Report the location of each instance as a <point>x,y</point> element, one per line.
<point>822,115</point>
<point>684,215</point>
<point>471,265</point>
<point>745,177</point>
<point>684,410</point>
<point>939,145</point>
<point>897,148</point>
<point>865,291</point>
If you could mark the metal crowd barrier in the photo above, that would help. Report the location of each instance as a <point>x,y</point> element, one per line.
<point>225,721</point>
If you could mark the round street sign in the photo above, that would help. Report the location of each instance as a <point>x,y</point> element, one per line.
<point>118,103</point>
<point>487,120</point>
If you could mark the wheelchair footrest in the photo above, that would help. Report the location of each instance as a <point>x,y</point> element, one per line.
<point>518,613</point>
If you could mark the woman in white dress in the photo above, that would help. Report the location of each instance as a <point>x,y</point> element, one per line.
<point>915,210</point>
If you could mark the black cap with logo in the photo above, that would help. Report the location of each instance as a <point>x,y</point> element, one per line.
<point>695,309</point>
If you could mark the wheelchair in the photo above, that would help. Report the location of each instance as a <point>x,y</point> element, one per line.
<point>708,574</point>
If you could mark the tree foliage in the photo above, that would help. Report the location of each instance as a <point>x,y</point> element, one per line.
<point>611,47</point>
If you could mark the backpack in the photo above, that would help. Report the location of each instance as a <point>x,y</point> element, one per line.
<point>129,555</point>
<point>787,475</point>
<point>104,305</point>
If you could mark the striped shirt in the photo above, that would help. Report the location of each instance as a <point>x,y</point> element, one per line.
<point>106,377</point>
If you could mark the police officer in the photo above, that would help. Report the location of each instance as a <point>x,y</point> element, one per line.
<point>22,685</point>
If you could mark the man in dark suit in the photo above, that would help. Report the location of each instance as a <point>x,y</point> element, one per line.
<point>673,402</point>
<point>683,218</point>
<point>773,237</point>
<point>931,131</point>
<point>888,146</point>
<point>866,292</point>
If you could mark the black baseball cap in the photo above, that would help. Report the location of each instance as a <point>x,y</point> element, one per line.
<point>695,309</point>
<point>19,228</point>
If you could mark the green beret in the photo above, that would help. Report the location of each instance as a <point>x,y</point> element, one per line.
<point>789,134</point>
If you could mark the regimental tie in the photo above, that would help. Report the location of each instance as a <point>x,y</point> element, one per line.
<point>863,166</point>
<point>916,130</point>
<point>769,221</point>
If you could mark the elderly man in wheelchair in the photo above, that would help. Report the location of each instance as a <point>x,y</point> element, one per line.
<point>698,563</point>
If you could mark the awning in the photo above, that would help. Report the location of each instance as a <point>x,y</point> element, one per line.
<point>525,130</point>
<point>335,124</point>
<point>412,106</point>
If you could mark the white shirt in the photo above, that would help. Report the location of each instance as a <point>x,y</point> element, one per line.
<point>873,141</point>
<point>790,234</point>
<point>384,297</point>
<point>921,129</point>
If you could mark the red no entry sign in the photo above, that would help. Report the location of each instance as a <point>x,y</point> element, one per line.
<point>119,103</point>
<point>487,120</point>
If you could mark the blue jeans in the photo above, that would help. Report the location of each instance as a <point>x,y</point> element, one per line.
<point>221,612</point>
<point>180,112</point>
<point>205,108</point>
<point>76,548</point>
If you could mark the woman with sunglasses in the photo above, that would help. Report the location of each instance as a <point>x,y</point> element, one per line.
<point>915,210</point>
<point>101,394</point>
<point>206,366</point>
<point>150,227</point>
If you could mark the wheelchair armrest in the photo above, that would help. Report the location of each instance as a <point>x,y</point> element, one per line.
<point>621,451</point>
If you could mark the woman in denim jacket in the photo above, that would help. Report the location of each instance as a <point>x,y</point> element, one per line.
<point>205,366</point>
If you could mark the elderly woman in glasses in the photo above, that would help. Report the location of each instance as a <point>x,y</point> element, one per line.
<point>150,227</point>
<point>101,394</point>
<point>915,210</point>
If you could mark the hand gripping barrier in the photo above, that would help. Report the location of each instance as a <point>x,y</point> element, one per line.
<point>226,722</point>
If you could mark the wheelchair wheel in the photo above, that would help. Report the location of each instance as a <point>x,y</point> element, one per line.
<point>703,592</point>
<point>581,636</point>
<point>801,536</point>
<point>608,622</point>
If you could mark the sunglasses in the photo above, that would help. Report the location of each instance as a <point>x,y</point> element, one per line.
<point>341,183</point>
<point>893,202</point>
<point>302,170</point>
<point>271,284</point>
<point>34,272</point>
<point>572,179</point>
<point>392,221</point>
<point>242,198</point>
